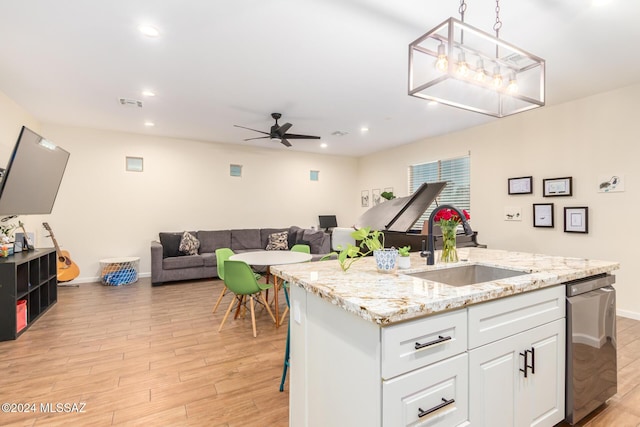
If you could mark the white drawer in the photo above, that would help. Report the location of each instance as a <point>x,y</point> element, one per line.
<point>501,318</point>
<point>418,343</point>
<point>435,395</point>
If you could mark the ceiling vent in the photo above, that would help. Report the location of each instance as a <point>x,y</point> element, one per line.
<point>130,102</point>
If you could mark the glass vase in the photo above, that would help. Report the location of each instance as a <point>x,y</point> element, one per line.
<point>449,252</point>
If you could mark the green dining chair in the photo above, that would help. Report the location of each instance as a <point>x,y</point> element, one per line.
<point>295,248</point>
<point>240,279</point>
<point>223,254</point>
<point>301,248</point>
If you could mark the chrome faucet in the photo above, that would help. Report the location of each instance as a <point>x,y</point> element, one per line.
<point>429,251</point>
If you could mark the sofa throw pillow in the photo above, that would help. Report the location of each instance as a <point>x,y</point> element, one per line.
<point>170,244</point>
<point>278,241</point>
<point>314,239</point>
<point>189,244</point>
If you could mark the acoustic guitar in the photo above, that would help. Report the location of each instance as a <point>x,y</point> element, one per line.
<point>67,269</point>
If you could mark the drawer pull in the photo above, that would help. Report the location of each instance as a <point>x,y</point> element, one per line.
<point>436,341</point>
<point>444,403</point>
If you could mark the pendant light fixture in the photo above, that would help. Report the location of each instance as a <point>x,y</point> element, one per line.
<point>441,69</point>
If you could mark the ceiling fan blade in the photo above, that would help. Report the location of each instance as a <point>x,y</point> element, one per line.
<point>283,129</point>
<point>257,137</point>
<point>294,136</point>
<point>283,141</point>
<point>255,130</point>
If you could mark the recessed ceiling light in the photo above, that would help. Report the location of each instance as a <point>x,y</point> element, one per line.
<point>432,103</point>
<point>600,2</point>
<point>364,129</point>
<point>149,124</point>
<point>149,30</point>
<point>324,145</point>
<point>148,93</point>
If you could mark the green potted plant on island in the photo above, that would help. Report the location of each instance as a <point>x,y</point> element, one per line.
<point>371,241</point>
<point>404,261</point>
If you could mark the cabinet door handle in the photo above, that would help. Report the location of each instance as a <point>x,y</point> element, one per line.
<point>440,339</point>
<point>444,403</point>
<point>533,360</point>
<point>526,362</point>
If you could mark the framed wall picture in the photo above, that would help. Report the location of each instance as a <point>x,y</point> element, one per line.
<point>576,220</point>
<point>134,164</point>
<point>364,198</point>
<point>522,185</point>
<point>543,215</point>
<point>375,196</point>
<point>557,187</point>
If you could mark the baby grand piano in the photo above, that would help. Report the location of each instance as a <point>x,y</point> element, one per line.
<point>395,218</point>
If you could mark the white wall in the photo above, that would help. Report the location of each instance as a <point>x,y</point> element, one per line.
<point>103,211</point>
<point>12,118</point>
<point>582,139</point>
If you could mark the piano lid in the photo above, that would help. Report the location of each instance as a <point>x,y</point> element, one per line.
<point>401,213</point>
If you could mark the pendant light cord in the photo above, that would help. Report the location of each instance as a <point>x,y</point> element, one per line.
<point>461,10</point>
<point>497,26</point>
<point>498,23</point>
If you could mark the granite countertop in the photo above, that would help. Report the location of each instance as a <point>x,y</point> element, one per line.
<point>387,298</point>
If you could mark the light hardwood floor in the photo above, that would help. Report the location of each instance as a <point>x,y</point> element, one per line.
<point>142,355</point>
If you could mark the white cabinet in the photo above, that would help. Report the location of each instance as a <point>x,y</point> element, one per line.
<point>342,376</point>
<point>418,343</point>
<point>435,395</point>
<point>518,380</point>
<point>456,368</point>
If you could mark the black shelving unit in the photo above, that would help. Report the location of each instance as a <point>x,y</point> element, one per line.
<point>30,276</point>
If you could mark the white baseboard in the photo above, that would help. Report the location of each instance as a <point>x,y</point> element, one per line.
<point>628,313</point>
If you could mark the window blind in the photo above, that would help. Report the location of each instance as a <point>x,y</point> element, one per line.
<point>458,190</point>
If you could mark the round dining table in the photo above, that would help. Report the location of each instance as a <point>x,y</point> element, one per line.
<point>269,258</point>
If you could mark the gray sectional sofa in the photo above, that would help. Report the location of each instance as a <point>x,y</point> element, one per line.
<point>168,264</point>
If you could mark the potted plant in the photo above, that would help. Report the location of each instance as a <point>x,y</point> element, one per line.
<point>404,261</point>
<point>388,195</point>
<point>6,231</point>
<point>371,241</point>
<point>5,239</point>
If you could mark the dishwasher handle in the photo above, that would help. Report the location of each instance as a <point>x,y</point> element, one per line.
<point>577,287</point>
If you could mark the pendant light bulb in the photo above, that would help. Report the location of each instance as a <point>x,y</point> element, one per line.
<point>463,67</point>
<point>481,74</point>
<point>497,78</point>
<point>512,87</point>
<point>442,63</point>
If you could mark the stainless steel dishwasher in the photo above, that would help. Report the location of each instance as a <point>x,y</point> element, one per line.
<point>591,370</point>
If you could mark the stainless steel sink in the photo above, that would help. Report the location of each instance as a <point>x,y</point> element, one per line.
<point>467,275</point>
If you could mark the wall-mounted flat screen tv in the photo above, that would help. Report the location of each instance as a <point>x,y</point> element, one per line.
<point>32,178</point>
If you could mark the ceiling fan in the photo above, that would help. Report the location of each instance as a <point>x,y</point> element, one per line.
<point>279,133</point>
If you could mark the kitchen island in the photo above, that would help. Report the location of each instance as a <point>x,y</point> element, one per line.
<point>370,348</point>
